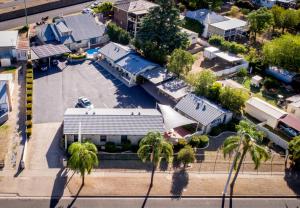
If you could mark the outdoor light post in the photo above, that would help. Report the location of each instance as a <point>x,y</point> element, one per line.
<point>25,7</point>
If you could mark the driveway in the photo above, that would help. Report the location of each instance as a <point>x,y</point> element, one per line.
<point>56,90</point>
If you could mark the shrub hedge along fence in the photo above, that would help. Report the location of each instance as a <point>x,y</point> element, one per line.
<point>29,100</point>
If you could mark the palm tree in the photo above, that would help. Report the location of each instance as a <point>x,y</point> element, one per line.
<point>83,158</point>
<point>152,148</point>
<point>294,148</point>
<point>249,141</point>
<point>186,155</point>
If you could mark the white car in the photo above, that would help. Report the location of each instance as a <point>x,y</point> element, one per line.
<point>83,102</point>
<point>87,11</point>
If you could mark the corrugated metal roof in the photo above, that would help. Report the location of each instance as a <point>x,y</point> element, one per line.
<point>199,109</point>
<point>8,38</point>
<point>48,50</point>
<point>205,16</point>
<point>157,75</point>
<point>115,51</point>
<point>175,88</point>
<point>291,121</point>
<point>115,121</point>
<point>135,64</point>
<point>230,24</point>
<point>266,107</point>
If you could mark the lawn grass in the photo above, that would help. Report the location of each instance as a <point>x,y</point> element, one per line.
<point>4,138</point>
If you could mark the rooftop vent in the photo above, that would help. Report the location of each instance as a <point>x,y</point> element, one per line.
<point>204,108</point>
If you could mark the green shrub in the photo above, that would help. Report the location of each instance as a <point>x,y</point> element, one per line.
<point>270,83</point>
<point>29,106</point>
<point>216,40</point>
<point>117,34</point>
<point>126,145</point>
<point>29,65</point>
<point>245,11</point>
<point>77,56</point>
<point>242,72</point>
<point>231,46</point>
<point>29,81</point>
<point>28,132</point>
<point>180,144</point>
<point>28,123</point>
<point>192,25</point>
<point>29,99</point>
<point>28,112</point>
<point>195,141</point>
<point>203,141</point>
<point>29,92</point>
<point>29,86</point>
<point>110,147</point>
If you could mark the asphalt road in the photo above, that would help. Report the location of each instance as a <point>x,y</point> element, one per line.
<point>10,24</point>
<point>151,202</point>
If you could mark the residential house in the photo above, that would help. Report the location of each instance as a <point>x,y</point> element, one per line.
<point>128,13</point>
<point>127,64</point>
<point>206,114</point>
<point>75,32</point>
<point>217,24</point>
<point>293,105</point>
<point>192,36</point>
<point>290,125</point>
<point>110,125</point>
<point>264,112</point>
<point>11,48</point>
<point>270,3</point>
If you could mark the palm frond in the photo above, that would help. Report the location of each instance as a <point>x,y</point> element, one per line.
<point>230,145</point>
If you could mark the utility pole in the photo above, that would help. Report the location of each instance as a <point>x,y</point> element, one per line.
<point>25,7</point>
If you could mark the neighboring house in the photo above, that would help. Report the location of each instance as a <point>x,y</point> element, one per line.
<point>128,64</point>
<point>75,32</point>
<point>192,36</point>
<point>223,63</point>
<point>265,3</point>
<point>290,125</point>
<point>205,113</point>
<point>128,13</point>
<point>270,3</point>
<point>293,105</point>
<point>264,112</point>
<point>217,24</point>
<point>110,125</point>
<point>11,48</point>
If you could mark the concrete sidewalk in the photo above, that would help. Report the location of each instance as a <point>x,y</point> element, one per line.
<point>137,184</point>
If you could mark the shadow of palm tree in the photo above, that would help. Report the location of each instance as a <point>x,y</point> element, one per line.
<point>76,196</point>
<point>292,179</point>
<point>180,181</point>
<point>58,187</point>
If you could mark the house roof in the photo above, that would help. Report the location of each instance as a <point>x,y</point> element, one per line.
<point>45,32</point>
<point>115,51</point>
<point>228,57</point>
<point>48,50</point>
<point>157,75</point>
<point>199,109</point>
<point>211,49</point>
<point>83,27</point>
<point>266,107</point>
<point>135,64</point>
<point>205,16</point>
<point>114,121</point>
<point>175,88</point>
<point>8,38</point>
<point>294,98</point>
<point>229,24</point>
<point>135,6</point>
<point>291,121</point>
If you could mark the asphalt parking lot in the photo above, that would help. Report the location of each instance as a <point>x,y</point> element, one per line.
<point>56,90</point>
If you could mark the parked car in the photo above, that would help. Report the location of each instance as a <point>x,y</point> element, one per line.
<point>87,11</point>
<point>83,102</point>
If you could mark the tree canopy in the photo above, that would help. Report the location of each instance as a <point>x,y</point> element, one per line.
<point>159,34</point>
<point>202,81</point>
<point>186,155</point>
<point>180,62</point>
<point>294,148</point>
<point>103,7</point>
<point>260,20</point>
<point>117,34</point>
<point>231,46</point>
<point>283,52</point>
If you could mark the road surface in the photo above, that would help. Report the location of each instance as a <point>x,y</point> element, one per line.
<point>10,24</point>
<point>14,202</point>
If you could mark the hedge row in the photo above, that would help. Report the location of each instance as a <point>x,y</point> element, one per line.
<point>29,89</point>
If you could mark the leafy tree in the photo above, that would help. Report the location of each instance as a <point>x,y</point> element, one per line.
<point>117,34</point>
<point>202,81</point>
<point>260,20</point>
<point>248,140</point>
<point>291,19</point>
<point>233,99</point>
<point>103,7</point>
<point>234,11</point>
<point>283,52</point>
<point>231,46</point>
<point>83,158</point>
<point>278,16</point>
<point>180,62</point>
<point>186,155</point>
<point>193,25</point>
<point>196,4</point>
<point>214,91</point>
<point>152,148</point>
<point>160,34</point>
<point>294,149</point>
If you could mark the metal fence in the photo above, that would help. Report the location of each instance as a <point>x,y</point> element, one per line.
<point>209,162</point>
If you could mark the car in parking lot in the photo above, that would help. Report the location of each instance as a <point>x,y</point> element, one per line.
<point>84,102</point>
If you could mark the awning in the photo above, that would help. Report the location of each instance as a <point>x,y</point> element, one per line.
<point>172,118</point>
<point>291,121</point>
<point>48,50</point>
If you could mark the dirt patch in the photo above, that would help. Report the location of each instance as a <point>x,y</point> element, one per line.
<point>4,141</point>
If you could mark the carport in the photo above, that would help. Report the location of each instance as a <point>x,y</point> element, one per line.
<point>48,51</point>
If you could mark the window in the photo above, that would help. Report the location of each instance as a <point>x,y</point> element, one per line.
<point>78,41</point>
<point>93,41</point>
<point>124,138</point>
<point>103,138</point>
<point>76,138</point>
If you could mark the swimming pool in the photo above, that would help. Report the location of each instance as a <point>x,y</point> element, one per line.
<point>92,51</point>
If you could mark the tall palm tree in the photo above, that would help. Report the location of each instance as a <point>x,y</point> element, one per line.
<point>294,148</point>
<point>83,158</point>
<point>152,148</point>
<point>248,140</point>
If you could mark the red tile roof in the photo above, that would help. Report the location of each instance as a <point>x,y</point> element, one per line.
<point>291,121</point>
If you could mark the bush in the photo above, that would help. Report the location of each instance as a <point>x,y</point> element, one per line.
<point>29,106</point>
<point>216,40</point>
<point>193,25</point>
<point>117,34</point>
<point>270,83</point>
<point>224,45</point>
<point>180,144</point>
<point>77,56</point>
<point>103,8</point>
<point>28,123</point>
<point>28,132</point>
<point>246,4</point>
<point>29,113</point>
<point>203,141</point>
<point>195,141</point>
<point>234,10</point>
<point>242,72</point>
<point>110,147</point>
<point>29,99</point>
<point>245,11</point>
<point>29,65</point>
<point>29,92</point>
<point>126,145</point>
<point>181,7</point>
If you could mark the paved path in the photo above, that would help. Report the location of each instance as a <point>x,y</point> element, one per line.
<point>10,24</point>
